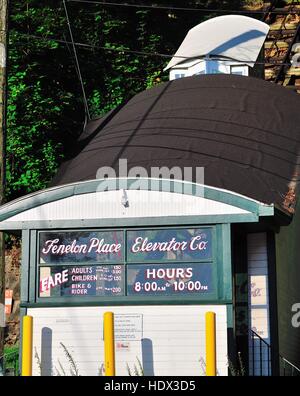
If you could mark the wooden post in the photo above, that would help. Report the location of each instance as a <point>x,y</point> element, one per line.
<point>109,344</point>
<point>210,327</point>
<point>3,53</point>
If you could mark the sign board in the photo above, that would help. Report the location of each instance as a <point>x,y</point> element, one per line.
<point>142,246</point>
<point>169,279</point>
<point>166,245</point>
<point>68,281</point>
<point>140,262</point>
<point>258,289</point>
<point>259,322</point>
<point>8,301</point>
<point>81,247</point>
<point>128,327</point>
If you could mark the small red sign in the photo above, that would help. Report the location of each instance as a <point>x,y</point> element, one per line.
<point>8,301</point>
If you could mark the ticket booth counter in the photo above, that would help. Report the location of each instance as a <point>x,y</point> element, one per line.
<point>158,267</point>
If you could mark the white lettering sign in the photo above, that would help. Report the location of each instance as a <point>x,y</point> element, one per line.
<point>52,281</point>
<point>142,245</point>
<point>52,246</point>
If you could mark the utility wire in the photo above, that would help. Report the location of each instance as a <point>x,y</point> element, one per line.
<point>171,8</point>
<point>154,54</point>
<point>77,62</point>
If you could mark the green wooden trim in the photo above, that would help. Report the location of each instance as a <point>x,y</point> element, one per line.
<point>58,193</point>
<point>227,262</point>
<point>138,300</point>
<point>273,303</point>
<point>131,222</point>
<point>33,262</point>
<point>230,316</point>
<point>231,341</point>
<point>23,312</point>
<point>220,246</point>
<point>89,264</point>
<point>60,304</point>
<point>24,292</point>
<point>265,210</point>
<point>224,261</point>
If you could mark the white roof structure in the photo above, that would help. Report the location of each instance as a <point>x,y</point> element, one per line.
<point>230,36</point>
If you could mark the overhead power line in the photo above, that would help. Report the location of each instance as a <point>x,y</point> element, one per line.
<point>145,53</point>
<point>171,8</point>
<point>77,62</point>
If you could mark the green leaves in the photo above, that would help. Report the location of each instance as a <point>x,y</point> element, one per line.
<point>45,112</point>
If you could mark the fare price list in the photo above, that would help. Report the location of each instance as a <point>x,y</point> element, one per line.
<point>105,280</point>
<point>97,281</point>
<point>170,279</point>
<point>110,280</point>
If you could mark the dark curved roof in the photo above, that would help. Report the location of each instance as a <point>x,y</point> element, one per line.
<point>244,131</point>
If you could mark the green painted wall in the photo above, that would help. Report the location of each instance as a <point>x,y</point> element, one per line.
<point>288,288</point>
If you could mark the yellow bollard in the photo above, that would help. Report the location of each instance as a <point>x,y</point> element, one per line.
<point>109,344</point>
<point>27,331</point>
<point>211,357</point>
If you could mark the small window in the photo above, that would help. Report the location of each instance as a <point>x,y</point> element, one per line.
<point>179,75</point>
<point>239,70</point>
<point>238,73</point>
<point>213,67</point>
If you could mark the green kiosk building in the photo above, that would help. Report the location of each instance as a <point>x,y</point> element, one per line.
<point>160,252</point>
<point>179,202</point>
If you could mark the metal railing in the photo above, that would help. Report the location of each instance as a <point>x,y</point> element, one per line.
<point>260,359</point>
<point>287,369</point>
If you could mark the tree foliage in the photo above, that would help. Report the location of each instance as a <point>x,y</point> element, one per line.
<point>45,112</point>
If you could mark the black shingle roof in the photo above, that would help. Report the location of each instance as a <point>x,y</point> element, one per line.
<point>244,131</point>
